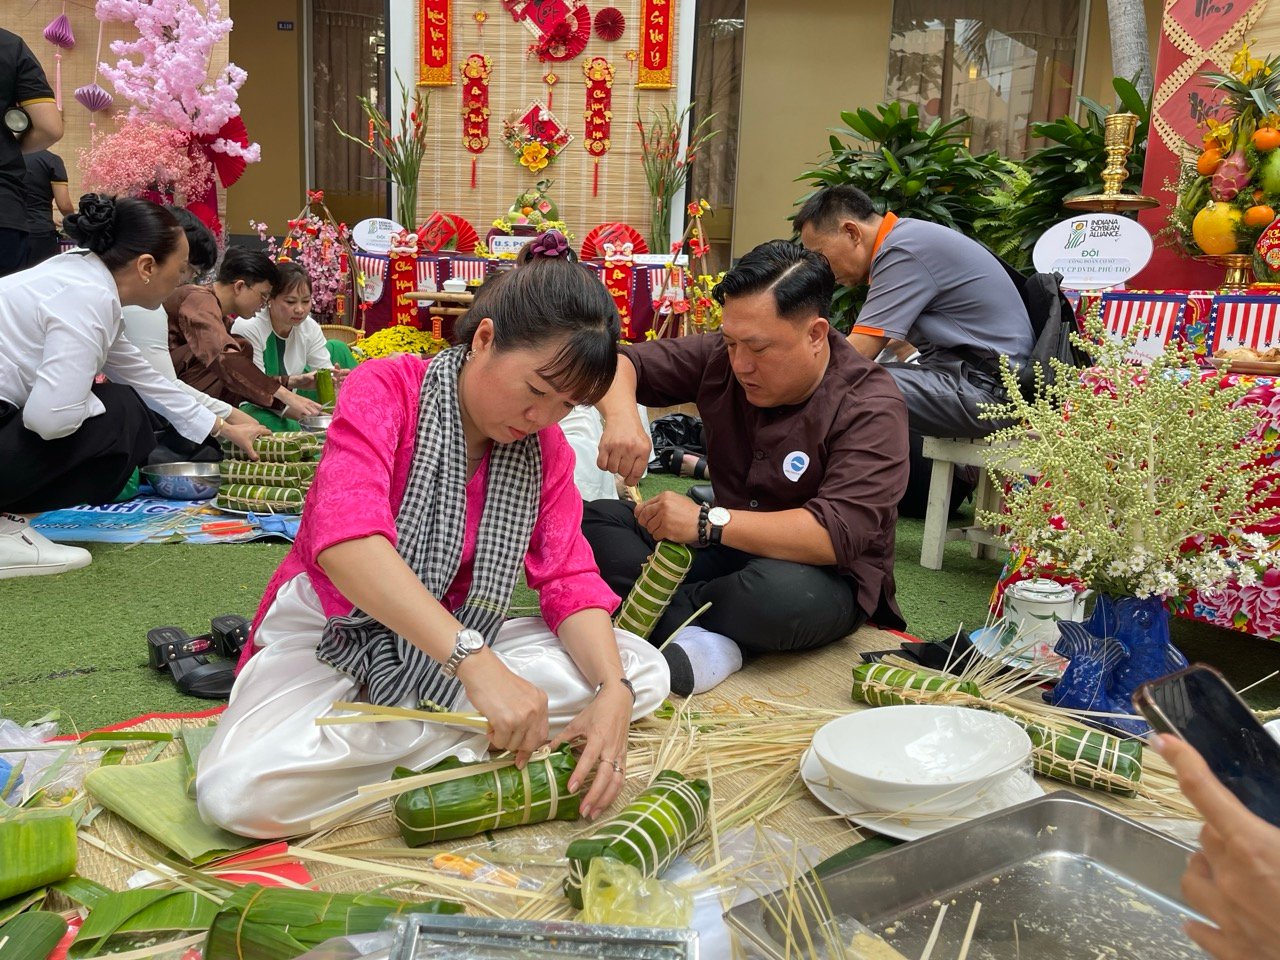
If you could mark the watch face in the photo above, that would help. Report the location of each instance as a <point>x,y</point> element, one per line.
<point>470,640</point>
<point>718,516</point>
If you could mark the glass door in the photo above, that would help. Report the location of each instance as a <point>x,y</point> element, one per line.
<point>348,53</point>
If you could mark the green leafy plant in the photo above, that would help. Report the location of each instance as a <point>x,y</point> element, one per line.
<point>924,172</point>
<point>400,151</point>
<point>1070,165</point>
<point>995,228</point>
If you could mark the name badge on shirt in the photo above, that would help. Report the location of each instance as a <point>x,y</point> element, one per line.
<point>794,464</point>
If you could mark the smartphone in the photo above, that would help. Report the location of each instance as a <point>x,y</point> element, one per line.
<point>1198,705</point>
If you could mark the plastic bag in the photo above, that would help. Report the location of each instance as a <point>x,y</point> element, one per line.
<point>675,430</point>
<point>617,893</point>
<point>55,768</point>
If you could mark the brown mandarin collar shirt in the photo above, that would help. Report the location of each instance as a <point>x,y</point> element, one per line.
<point>841,455</point>
<point>207,356</point>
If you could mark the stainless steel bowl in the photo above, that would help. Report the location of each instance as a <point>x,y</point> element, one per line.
<point>184,481</point>
<point>317,424</point>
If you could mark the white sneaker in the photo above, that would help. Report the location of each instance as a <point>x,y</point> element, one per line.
<point>26,553</point>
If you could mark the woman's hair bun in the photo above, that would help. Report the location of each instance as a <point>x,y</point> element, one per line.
<point>94,225</point>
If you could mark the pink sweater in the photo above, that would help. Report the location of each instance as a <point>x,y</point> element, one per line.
<point>360,483</point>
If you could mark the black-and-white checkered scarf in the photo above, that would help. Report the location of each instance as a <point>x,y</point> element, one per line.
<point>429,534</point>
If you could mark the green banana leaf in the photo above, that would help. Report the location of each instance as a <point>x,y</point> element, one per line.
<point>194,740</point>
<point>13,906</point>
<point>153,797</point>
<point>148,912</point>
<point>31,936</point>
<point>492,800</point>
<point>272,923</point>
<point>648,833</point>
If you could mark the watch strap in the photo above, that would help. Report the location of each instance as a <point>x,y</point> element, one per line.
<point>625,682</point>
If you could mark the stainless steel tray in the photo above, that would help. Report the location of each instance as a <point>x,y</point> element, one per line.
<point>484,938</point>
<point>1081,882</point>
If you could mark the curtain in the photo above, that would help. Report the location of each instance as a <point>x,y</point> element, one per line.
<point>349,60</point>
<point>717,89</point>
<point>1004,66</point>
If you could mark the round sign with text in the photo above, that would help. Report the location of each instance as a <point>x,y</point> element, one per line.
<point>374,235</point>
<point>1093,250</point>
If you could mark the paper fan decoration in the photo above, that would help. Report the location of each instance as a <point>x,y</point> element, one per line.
<point>455,233</point>
<point>93,98</point>
<point>566,38</point>
<point>58,32</point>
<point>617,234</point>
<point>610,24</point>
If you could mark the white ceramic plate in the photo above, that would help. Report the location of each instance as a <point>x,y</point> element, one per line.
<point>1021,786</point>
<point>987,642</point>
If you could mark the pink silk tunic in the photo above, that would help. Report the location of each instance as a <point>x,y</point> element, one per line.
<point>360,484</point>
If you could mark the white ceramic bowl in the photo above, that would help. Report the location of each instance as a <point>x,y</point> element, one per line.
<point>1273,728</point>
<point>920,757</point>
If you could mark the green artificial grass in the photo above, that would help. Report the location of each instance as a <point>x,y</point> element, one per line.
<point>76,643</point>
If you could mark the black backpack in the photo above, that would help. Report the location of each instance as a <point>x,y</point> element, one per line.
<point>1052,322</point>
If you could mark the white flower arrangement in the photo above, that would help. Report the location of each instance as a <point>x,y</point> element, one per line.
<point>1137,481</point>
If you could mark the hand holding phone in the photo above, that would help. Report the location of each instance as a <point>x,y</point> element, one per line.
<point>1198,705</point>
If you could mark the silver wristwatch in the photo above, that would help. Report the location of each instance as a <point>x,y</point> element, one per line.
<point>717,517</point>
<point>467,643</point>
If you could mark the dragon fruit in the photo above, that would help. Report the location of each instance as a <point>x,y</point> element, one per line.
<point>1231,177</point>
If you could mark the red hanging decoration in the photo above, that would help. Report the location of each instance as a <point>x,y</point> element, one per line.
<point>656,28</point>
<point>598,113</point>
<point>435,43</point>
<point>566,38</point>
<point>475,107</point>
<point>610,24</point>
<point>550,80</point>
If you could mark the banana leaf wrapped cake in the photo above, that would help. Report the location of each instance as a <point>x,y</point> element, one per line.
<point>260,498</point>
<point>648,833</point>
<point>265,473</point>
<point>279,448</point>
<point>489,800</point>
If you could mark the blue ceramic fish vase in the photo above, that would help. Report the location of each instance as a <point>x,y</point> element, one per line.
<point>1123,644</point>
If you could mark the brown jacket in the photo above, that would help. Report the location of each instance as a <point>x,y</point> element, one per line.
<point>207,356</point>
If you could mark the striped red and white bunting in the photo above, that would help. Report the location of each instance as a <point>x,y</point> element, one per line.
<point>1158,316</point>
<point>1242,320</point>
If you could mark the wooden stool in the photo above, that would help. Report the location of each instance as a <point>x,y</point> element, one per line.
<point>946,454</point>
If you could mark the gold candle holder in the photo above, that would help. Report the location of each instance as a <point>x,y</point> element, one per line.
<point>1238,267</point>
<point>1117,138</point>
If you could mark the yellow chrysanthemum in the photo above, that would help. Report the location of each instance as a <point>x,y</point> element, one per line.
<point>534,156</point>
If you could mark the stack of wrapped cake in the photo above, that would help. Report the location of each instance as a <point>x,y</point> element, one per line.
<point>275,483</point>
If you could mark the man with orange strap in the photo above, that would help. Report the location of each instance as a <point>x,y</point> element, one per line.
<point>933,287</point>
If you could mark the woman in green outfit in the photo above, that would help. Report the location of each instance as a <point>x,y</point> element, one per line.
<point>287,341</point>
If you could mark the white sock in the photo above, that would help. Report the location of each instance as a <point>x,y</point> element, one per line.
<point>700,660</point>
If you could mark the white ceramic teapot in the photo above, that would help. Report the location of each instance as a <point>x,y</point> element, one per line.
<point>1034,608</point>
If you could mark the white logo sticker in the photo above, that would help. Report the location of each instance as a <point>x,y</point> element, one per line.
<point>795,464</point>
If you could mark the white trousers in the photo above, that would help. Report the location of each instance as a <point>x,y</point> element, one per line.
<point>271,770</point>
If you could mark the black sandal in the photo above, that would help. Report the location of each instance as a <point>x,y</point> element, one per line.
<point>673,461</point>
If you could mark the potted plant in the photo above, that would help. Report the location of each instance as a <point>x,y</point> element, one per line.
<point>1141,484</point>
<point>400,151</point>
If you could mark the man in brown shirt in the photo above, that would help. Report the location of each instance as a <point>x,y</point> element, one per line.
<point>204,352</point>
<point>809,442</point>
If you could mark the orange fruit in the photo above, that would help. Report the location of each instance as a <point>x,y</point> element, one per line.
<point>1266,138</point>
<point>1259,216</point>
<point>1209,161</point>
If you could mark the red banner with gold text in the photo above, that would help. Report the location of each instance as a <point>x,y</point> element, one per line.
<point>657,25</point>
<point>435,43</point>
<point>404,272</point>
<point>598,113</point>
